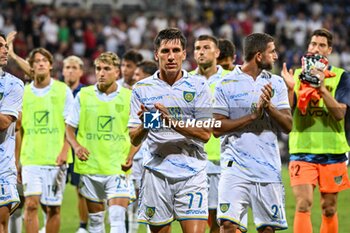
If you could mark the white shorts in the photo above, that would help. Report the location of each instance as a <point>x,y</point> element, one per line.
<point>8,190</point>
<point>164,199</point>
<point>99,188</point>
<point>48,182</point>
<point>131,189</point>
<point>213,194</point>
<point>265,199</point>
<point>136,172</point>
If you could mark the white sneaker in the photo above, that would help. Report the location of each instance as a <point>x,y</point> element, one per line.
<point>42,230</point>
<point>81,230</point>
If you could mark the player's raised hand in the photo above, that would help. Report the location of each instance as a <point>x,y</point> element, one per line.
<point>266,95</point>
<point>287,75</point>
<point>9,40</point>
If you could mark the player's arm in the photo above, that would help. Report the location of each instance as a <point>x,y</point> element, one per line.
<point>137,132</point>
<point>11,105</point>
<point>5,121</point>
<point>22,63</point>
<point>128,162</point>
<point>62,157</point>
<point>222,114</point>
<point>137,135</point>
<point>81,152</point>
<point>336,108</point>
<point>230,125</point>
<point>72,116</point>
<point>69,102</point>
<point>201,133</point>
<point>18,146</point>
<point>282,117</point>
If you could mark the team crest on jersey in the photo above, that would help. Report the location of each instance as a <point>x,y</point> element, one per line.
<point>189,96</point>
<point>338,179</point>
<point>1,95</point>
<point>150,211</point>
<point>224,207</point>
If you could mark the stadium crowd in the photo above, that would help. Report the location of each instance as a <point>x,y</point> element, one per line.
<point>83,32</point>
<point>105,46</point>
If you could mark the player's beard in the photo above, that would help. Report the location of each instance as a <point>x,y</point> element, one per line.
<point>264,65</point>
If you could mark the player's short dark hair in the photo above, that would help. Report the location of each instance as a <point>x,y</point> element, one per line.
<point>3,36</point>
<point>43,52</point>
<point>169,34</point>
<point>227,49</point>
<point>148,66</point>
<point>208,37</point>
<point>255,43</point>
<point>324,33</point>
<point>132,55</point>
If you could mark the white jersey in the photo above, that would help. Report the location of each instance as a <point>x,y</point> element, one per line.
<point>170,153</point>
<point>251,153</point>
<point>215,77</point>
<point>11,96</point>
<point>143,149</point>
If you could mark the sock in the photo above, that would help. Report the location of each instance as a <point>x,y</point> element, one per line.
<point>329,224</point>
<point>302,222</point>
<point>96,222</point>
<point>15,223</point>
<point>132,217</point>
<point>44,220</point>
<point>83,225</point>
<point>117,219</point>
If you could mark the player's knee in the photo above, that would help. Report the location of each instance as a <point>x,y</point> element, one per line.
<point>304,205</point>
<point>4,218</point>
<point>96,222</point>
<point>266,229</point>
<point>228,226</point>
<point>116,215</point>
<point>329,211</point>
<point>31,206</point>
<point>53,211</point>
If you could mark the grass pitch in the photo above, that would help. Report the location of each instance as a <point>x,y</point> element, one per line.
<point>70,219</point>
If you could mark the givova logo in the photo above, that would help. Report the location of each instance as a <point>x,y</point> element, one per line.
<point>41,118</point>
<point>104,123</point>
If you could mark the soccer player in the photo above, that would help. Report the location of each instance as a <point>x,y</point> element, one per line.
<point>46,103</point>
<point>129,64</point>
<point>227,55</point>
<point>101,114</point>
<point>11,94</point>
<point>174,182</point>
<point>144,69</point>
<point>317,143</point>
<point>252,105</point>
<point>72,72</point>
<point>206,52</point>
